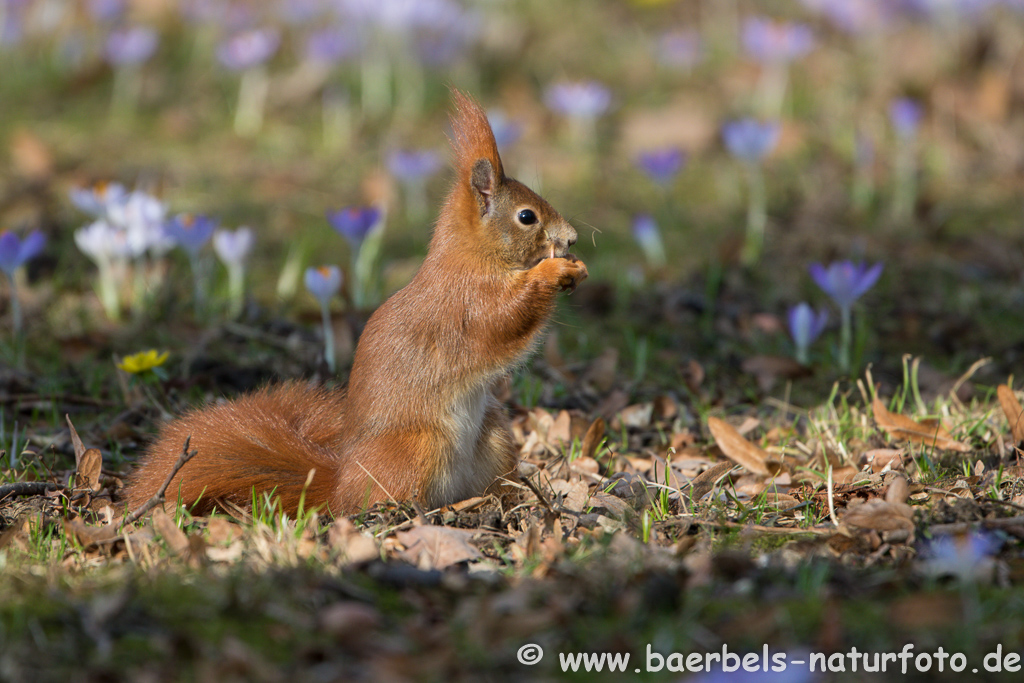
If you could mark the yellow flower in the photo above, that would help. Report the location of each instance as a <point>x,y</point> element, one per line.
<point>142,361</point>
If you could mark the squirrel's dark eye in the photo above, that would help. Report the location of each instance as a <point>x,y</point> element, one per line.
<point>527,217</point>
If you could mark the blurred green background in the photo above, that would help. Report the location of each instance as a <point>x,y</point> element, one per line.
<point>584,89</point>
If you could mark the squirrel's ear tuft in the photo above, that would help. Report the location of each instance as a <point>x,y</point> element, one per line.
<point>472,138</point>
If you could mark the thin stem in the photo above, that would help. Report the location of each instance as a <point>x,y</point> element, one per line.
<point>845,338</point>
<point>199,292</point>
<point>15,306</point>
<point>325,311</point>
<point>757,216</point>
<point>802,355</point>
<point>236,290</point>
<point>108,289</point>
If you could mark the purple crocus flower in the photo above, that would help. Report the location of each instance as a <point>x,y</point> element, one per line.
<point>97,199</point>
<point>332,45</point>
<point>323,282</point>
<point>141,216</point>
<point>770,41</point>
<point>844,281</point>
<point>354,223</point>
<point>905,115</point>
<point>679,49</point>
<point>750,140</point>
<point>661,165</point>
<point>102,242</point>
<point>249,48</point>
<point>805,326</point>
<point>15,252</point>
<point>410,165</point>
<point>578,99</point>
<point>233,247</point>
<point>189,232</point>
<point>131,46</point>
<point>968,557</point>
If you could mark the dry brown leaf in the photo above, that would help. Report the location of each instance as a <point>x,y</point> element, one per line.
<point>222,531</point>
<point>88,474</point>
<point>588,465</point>
<point>694,375</point>
<point>881,459</point>
<point>928,433</point>
<point>782,501</point>
<point>89,536</point>
<point>636,416</point>
<point>437,547</point>
<point>880,515</point>
<point>176,539</point>
<point>899,490</point>
<point>76,442</point>
<point>705,481</point>
<point>574,494</point>
<point>592,439</point>
<point>560,432</point>
<point>1012,409</point>
<point>741,451</point>
<point>350,543</point>
<point>665,407</point>
<point>848,475</point>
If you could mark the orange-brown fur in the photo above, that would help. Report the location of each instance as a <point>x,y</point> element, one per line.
<point>417,419</point>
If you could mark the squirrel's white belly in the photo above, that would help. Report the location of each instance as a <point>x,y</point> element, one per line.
<point>462,477</point>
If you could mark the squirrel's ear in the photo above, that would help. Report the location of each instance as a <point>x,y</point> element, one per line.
<point>473,143</point>
<point>483,181</point>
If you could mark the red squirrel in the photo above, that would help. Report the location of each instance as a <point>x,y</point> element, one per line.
<point>418,419</point>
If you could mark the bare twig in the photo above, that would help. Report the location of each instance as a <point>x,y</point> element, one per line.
<point>543,501</point>
<point>28,488</point>
<point>159,497</point>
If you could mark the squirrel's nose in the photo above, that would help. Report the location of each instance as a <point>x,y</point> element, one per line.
<point>566,234</point>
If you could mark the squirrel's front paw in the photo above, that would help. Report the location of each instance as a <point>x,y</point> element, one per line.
<point>573,271</point>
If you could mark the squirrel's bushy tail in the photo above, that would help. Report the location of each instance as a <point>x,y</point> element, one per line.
<point>264,441</point>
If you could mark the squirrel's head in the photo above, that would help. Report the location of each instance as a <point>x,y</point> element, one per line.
<point>513,220</point>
